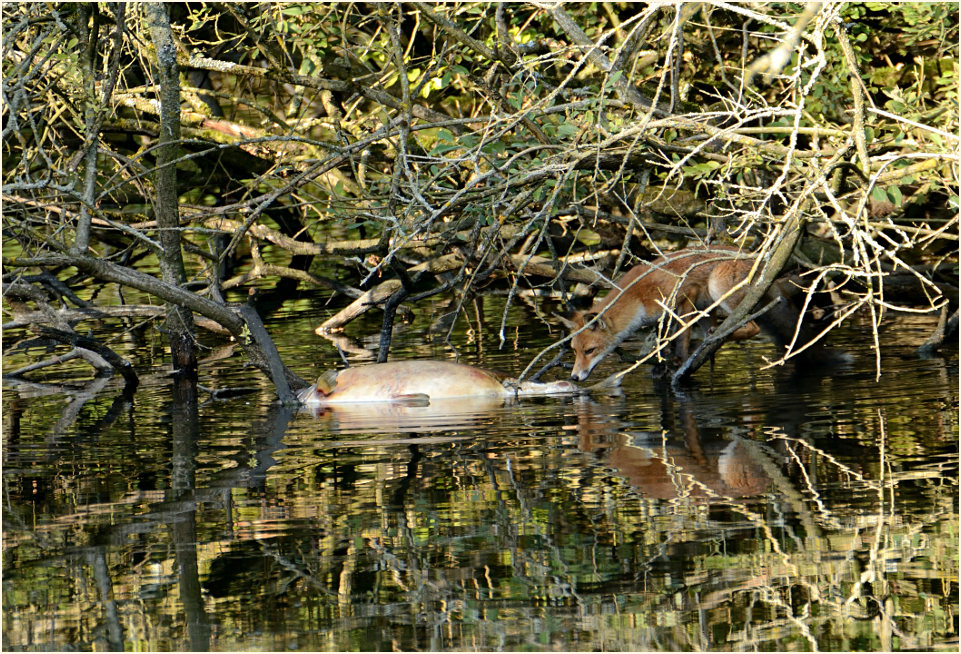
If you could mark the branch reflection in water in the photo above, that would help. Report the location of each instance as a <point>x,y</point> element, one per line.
<point>760,511</point>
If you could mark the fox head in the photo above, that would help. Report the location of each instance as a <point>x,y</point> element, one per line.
<point>591,344</point>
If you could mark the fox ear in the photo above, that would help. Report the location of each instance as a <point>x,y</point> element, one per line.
<point>600,324</point>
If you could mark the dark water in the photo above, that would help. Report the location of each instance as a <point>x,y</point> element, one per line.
<point>755,511</point>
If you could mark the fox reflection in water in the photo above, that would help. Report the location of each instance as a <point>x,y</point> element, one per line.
<point>680,463</point>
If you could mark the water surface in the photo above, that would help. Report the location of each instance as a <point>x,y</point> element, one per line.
<point>755,510</point>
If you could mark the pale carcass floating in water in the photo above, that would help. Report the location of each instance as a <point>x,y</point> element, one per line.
<point>419,382</point>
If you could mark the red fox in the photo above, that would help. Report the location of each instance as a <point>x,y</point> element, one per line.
<point>781,321</point>
<point>679,280</point>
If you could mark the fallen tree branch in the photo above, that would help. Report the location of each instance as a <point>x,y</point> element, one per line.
<point>26,318</point>
<point>220,313</point>
<point>94,359</point>
<point>118,363</point>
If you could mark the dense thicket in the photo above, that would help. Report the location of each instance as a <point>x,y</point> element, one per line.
<point>438,149</point>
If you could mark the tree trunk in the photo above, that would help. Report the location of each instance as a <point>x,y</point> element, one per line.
<point>180,324</point>
<point>88,28</point>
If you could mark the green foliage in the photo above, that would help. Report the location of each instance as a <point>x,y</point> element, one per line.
<point>303,110</point>
<point>890,194</point>
<point>699,170</point>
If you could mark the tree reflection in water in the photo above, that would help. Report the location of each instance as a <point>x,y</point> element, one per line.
<point>774,513</point>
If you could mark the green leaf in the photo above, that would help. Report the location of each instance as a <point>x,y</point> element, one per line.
<point>895,106</point>
<point>894,194</point>
<point>878,194</point>
<point>441,148</point>
<point>588,237</point>
<point>701,169</point>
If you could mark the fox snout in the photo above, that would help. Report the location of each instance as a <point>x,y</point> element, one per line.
<point>582,374</point>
